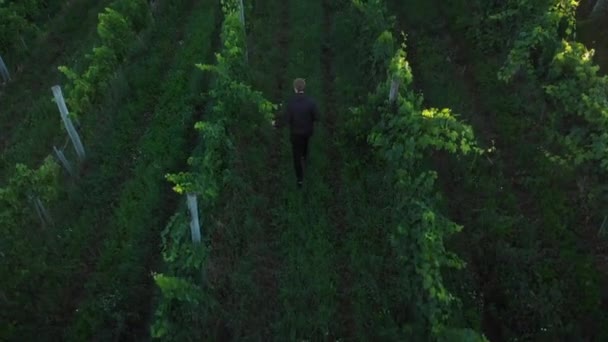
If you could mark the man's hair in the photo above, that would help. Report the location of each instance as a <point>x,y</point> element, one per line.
<point>299,84</point>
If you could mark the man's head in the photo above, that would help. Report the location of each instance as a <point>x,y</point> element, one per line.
<point>299,84</point>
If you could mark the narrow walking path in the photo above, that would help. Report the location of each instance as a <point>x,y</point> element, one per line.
<point>340,228</point>
<point>307,280</point>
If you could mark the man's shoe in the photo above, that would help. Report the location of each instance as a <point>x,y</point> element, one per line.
<point>299,184</point>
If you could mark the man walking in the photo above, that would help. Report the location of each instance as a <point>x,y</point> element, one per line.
<point>300,114</point>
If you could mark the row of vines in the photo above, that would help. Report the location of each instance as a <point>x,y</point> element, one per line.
<point>571,102</point>
<point>194,278</point>
<point>401,138</point>
<point>570,94</point>
<point>144,202</point>
<point>62,263</point>
<point>397,137</point>
<point>408,227</point>
<point>534,208</point>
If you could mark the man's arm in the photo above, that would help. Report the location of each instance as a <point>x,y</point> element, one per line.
<point>282,117</point>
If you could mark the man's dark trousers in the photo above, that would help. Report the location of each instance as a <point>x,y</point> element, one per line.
<point>299,145</point>
<point>300,113</point>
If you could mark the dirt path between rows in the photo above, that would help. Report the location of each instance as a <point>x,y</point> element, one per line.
<point>337,213</point>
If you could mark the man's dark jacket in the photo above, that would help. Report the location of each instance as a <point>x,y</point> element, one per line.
<point>300,114</point>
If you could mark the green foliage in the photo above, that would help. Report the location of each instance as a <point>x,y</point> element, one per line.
<point>364,26</point>
<point>118,33</point>
<point>108,312</point>
<point>414,301</point>
<point>536,42</point>
<point>24,185</point>
<point>185,304</point>
<point>109,235</point>
<point>23,260</point>
<point>574,95</point>
<point>12,26</point>
<point>383,45</point>
<point>403,138</point>
<point>232,98</point>
<point>135,11</point>
<point>115,32</point>
<point>375,13</point>
<point>230,6</point>
<point>86,88</point>
<point>188,298</point>
<point>384,49</point>
<point>576,92</point>
<point>529,274</point>
<point>26,182</point>
<point>184,307</point>
<point>19,19</point>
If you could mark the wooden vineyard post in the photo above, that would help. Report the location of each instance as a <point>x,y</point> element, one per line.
<point>194,222</point>
<point>64,161</point>
<point>392,96</point>
<point>63,109</point>
<point>6,76</point>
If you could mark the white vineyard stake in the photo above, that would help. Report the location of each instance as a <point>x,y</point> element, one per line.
<point>4,71</point>
<point>23,43</point>
<point>602,232</point>
<point>153,6</point>
<point>63,109</point>
<point>392,96</point>
<point>194,223</point>
<point>64,161</point>
<point>601,7</point>
<point>43,215</point>
<point>242,13</point>
<point>242,17</point>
